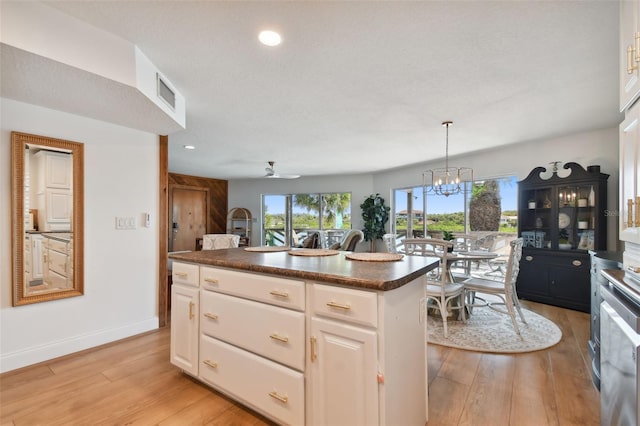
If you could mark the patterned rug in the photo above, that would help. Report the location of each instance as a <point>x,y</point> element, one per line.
<point>490,331</point>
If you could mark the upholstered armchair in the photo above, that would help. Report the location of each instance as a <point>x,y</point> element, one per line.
<point>219,241</point>
<point>349,241</point>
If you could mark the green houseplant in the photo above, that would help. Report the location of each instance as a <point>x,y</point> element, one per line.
<point>448,236</point>
<point>375,215</point>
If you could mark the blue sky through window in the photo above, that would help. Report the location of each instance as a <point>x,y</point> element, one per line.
<point>452,204</point>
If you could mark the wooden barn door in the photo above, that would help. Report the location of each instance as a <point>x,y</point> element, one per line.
<point>189,207</point>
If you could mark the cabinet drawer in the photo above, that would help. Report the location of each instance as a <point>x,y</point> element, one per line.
<point>58,262</point>
<point>57,245</point>
<point>264,288</point>
<point>273,332</point>
<point>185,273</point>
<point>274,389</point>
<point>356,306</point>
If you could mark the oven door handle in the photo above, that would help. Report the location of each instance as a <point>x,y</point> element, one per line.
<point>620,323</point>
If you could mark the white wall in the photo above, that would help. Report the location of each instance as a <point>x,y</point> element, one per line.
<point>598,147</point>
<point>120,300</point>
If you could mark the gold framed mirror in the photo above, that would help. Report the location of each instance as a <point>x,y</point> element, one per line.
<point>47,208</point>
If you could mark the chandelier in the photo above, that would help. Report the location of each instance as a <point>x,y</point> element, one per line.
<point>446,180</point>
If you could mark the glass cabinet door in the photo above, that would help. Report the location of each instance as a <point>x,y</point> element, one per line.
<point>537,222</point>
<point>576,217</point>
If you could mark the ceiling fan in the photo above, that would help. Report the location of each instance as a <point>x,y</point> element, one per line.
<point>271,173</point>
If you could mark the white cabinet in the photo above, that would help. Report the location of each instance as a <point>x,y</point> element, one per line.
<point>33,257</point>
<point>57,271</point>
<point>630,52</point>
<point>302,352</point>
<point>185,296</point>
<point>52,175</point>
<point>629,219</point>
<point>343,374</point>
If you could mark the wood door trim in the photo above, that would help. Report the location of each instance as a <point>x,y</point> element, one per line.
<point>173,186</point>
<point>163,211</point>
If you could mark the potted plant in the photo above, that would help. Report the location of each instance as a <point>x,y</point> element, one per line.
<point>448,236</point>
<point>375,215</point>
<point>563,240</point>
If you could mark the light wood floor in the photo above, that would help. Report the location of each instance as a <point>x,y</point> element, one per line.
<point>132,382</point>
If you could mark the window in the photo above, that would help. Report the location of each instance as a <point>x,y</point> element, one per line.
<point>289,218</point>
<point>416,214</point>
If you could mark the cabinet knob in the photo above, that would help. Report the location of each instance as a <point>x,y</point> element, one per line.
<point>576,262</point>
<point>528,258</point>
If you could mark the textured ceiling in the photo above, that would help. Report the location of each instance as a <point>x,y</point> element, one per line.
<point>363,86</point>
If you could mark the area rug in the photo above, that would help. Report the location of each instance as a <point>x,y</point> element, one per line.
<point>489,331</point>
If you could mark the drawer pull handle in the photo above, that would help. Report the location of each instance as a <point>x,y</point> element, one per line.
<point>211,281</point>
<point>629,213</point>
<point>280,338</point>
<point>346,307</point>
<point>211,363</point>
<point>181,274</point>
<point>312,344</point>
<point>528,258</point>
<point>634,269</point>
<point>211,316</point>
<point>637,212</point>
<point>280,398</point>
<point>576,263</point>
<point>191,305</point>
<point>279,293</point>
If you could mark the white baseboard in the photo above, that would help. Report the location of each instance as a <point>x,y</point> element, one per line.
<point>36,354</point>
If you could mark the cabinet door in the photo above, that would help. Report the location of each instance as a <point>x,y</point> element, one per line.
<point>570,283</point>
<point>629,219</point>
<point>532,278</point>
<point>343,374</point>
<point>629,66</point>
<point>58,170</point>
<point>184,328</point>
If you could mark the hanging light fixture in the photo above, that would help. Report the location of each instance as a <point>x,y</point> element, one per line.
<point>446,180</point>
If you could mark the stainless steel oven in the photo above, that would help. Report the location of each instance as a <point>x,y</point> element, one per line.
<point>619,357</point>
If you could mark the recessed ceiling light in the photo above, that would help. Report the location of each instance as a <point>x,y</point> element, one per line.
<point>188,147</point>
<point>269,38</point>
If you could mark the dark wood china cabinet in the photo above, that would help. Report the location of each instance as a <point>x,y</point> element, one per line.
<point>560,217</point>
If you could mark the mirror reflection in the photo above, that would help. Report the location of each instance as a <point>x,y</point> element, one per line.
<point>47,196</point>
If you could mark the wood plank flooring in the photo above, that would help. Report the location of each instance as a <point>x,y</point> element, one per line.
<point>132,382</point>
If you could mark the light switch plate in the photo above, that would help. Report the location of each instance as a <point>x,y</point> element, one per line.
<point>125,223</point>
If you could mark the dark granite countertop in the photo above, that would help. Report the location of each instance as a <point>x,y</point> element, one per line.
<point>330,269</point>
<point>65,237</point>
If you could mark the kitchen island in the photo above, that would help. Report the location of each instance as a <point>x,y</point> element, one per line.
<point>305,339</point>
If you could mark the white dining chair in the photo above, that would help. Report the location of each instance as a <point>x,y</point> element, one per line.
<point>505,290</point>
<point>440,289</point>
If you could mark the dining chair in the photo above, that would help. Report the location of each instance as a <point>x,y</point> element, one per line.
<point>390,243</point>
<point>505,290</point>
<point>349,241</point>
<point>420,246</point>
<point>440,289</point>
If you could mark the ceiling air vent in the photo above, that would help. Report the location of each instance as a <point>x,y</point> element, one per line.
<point>165,92</point>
